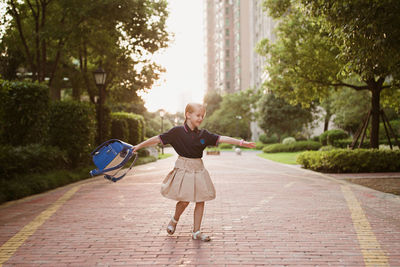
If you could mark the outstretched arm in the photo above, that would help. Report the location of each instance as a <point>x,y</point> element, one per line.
<point>149,142</point>
<point>237,142</point>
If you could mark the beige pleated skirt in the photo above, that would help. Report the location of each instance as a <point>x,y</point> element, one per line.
<point>188,181</point>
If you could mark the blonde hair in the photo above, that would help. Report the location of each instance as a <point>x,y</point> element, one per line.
<point>191,107</point>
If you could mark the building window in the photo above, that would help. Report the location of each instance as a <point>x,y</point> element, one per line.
<point>227,42</point>
<point>226,32</point>
<point>227,63</point>
<point>226,10</point>
<point>227,74</point>
<point>228,85</point>
<point>226,52</point>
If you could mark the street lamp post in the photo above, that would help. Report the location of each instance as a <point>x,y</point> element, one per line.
<point>100,80</point>
<point>162,113</point>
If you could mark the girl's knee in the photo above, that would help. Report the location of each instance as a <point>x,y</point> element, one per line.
<point>200,203</point>
<point>183,203</point>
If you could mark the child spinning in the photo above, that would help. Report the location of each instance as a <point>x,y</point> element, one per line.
<point>189,181</point>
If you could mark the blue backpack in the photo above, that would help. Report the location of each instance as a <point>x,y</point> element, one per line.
<point>110,157</point>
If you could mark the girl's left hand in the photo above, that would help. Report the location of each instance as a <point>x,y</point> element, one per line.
<point>249,144</point>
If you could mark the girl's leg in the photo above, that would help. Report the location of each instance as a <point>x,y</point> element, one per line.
<point>198,216</point>
<point>180,208</point>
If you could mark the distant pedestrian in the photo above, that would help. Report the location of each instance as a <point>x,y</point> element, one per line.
<point>189,181</point>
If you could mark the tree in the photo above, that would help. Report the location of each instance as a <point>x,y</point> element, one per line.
<point>234,115</point>
<point>325,45</point>
<point>68,36</point>
<point>278,117</point>
<point>347,114</point>
<point>212,101</point>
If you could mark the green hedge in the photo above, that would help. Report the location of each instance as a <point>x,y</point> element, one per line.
<point>268,140</point>
<point>293,147</point>
<point>23,112</point>
<point>351,161</point>
<point>30,159</point>
<point>73,128</point>
<point>225,146</point>
<point>128,127</point>
<point>331,136</point>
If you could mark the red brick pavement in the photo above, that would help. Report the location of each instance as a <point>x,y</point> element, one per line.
<point>265,213</point>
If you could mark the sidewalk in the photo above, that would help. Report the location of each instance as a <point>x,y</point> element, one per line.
<point>265,214</point>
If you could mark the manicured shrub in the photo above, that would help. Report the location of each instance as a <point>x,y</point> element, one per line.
<point>351,161</point>
<point>23,112</point>
<point>331,136</point>
<point>225,146</point>
<point>293,147</point>
<point>326,148</point>
<point>289,140</point>
<point>260,146</point>
<point>128,127</point>
<point>336,135</point>
<point>33,158</point>
<point>73,129</point>
<point>268,139</point>
<point>119,128</point>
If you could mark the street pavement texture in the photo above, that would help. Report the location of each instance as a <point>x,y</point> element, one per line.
<point>265,214</point>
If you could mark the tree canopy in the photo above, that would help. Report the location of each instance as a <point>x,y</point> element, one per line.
<point>323,46</point>
<point>53,39</point>
<point>234,114</point>
<point>278,117</point>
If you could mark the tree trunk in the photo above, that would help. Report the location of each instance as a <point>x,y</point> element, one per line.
<point>376,88</point>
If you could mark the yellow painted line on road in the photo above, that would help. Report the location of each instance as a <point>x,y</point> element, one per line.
<point>370,247</point>
<point>8,249</point>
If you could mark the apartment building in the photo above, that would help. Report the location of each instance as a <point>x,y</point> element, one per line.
<point>232,30</point>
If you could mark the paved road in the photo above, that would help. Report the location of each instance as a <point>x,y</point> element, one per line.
<point>265,214</point>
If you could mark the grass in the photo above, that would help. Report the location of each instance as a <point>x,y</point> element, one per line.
<point>282,157</point>
<point>164,156</point>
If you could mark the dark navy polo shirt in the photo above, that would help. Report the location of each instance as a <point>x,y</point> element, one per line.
<point>188,143</point>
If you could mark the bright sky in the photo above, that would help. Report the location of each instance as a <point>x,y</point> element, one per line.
<point>183,60</point>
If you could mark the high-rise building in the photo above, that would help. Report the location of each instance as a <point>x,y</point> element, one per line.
<point>232,30</point>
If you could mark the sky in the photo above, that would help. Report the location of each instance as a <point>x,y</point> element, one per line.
<point>183,60</point>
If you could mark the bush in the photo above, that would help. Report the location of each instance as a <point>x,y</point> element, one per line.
<point>315,138</point>
<point>336,135</point>
<point>72,128</point>
<point>225,146</point>
<point>352,161</point>
<point>260,146</point>
<point>268,140</point>
<point>289,140</point>
<point>24,112</point>
<point>293,147</point>
<point>331,136</point>
<point>128,127</point>
<point>326,148</point>
<point>34,158</point>
<point>119,128</point>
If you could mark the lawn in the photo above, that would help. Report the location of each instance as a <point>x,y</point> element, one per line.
<point>282,157</point>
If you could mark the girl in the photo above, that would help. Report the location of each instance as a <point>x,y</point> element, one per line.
<point>189,181</point>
